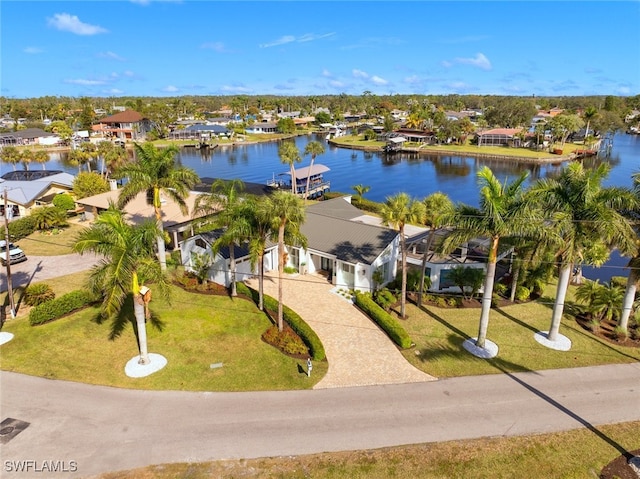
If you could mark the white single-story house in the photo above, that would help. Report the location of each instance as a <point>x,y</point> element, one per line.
<point>262,127</point>
<point>338,245</point>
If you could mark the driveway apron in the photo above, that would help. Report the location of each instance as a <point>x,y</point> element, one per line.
<point>358,351</point>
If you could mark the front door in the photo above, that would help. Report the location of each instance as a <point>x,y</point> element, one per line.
<point>326,264</point>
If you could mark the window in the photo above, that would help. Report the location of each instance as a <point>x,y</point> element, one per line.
<point>348,268</point>
<point>445,281</point>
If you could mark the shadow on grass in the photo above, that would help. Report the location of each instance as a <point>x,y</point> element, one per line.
<point>456,352</point>
<point>515,320</point>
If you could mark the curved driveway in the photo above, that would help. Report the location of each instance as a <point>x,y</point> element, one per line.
<point>359,353</point>
<point>106,429</point>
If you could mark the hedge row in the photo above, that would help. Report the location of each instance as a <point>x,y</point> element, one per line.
<point>293,319</point>
<point>56,308</point>
<point>22,227</point>
<point>383,319</point>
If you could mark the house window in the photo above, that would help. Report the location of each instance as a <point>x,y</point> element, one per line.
<point>384,267</point>
<point>445,279</point>
<point>348,268</point>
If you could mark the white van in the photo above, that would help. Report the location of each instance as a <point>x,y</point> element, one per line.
<point>16,255</point>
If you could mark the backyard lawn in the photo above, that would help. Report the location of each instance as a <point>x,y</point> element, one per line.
<point>51,243</point>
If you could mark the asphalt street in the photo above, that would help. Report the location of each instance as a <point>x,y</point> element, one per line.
<point>99,429</point>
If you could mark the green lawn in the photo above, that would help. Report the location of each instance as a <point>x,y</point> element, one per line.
<point>440,332</point>
<point>579,454</point>
<point>198,330</point>
<point>49,243</point>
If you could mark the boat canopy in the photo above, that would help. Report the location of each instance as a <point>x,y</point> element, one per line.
<point>307,171</point>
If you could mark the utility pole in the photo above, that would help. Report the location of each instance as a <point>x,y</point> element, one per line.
<point>8,258</point>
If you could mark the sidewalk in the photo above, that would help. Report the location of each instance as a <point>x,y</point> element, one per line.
<point>359,353</point>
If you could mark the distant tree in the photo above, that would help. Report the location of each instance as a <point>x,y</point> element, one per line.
<point>88,184</point>
<point>10,155</point>
<point>563,125</point>
<point>313,148</point>
<point>290,155</point>
<point>286,125</point>
<point>41,157</point>
<point>323,117</point>
<point>361,190</point>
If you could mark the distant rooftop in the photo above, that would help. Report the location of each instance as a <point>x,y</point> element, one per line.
<point>23,175</point>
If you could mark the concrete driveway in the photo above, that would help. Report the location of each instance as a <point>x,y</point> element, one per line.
<point>358,351</point>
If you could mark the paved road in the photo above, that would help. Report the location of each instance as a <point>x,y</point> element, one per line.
<point>40,268</point>
<point>106,429</point>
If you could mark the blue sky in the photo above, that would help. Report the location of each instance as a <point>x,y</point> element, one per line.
<point>190,47</point>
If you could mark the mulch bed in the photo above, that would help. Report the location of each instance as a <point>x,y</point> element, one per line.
<point>606,331</point>
<point>619,468</point>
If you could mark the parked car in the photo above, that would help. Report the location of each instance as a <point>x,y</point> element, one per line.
<point>16,255</point>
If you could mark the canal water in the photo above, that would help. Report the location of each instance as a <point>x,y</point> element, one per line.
<point>416,174</point>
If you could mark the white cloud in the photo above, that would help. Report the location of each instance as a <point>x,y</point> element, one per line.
<point>413,80</point>
<point>336,84</point>
<point>479,61</point>
<point>215,46</point>
<point>378,80</point>
<point>307,37</point>
<point>84,82</point>
<point>71,23</point>
<point>129,73</point>
<point>111,56</point>
<point>170,89</point>
<point>235,89</point>
<point>33,50</point>
<point>359,73</point>
<point>113,91</point>
<point>326,73</point>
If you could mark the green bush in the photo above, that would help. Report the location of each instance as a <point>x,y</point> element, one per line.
<point>522,293</point>
<point>64,202</point>
<point>384,298</point>
<point>21,228</point>
<point>500,288</point>
<point>620,281</point>
<point>285,340</point>
<point>366,205</point>
<point>37,294</point>
<point>56,308</point>
<point>383,319</point>
<point>293,319</point>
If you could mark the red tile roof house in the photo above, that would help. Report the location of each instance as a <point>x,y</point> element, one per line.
<point>126,125</point>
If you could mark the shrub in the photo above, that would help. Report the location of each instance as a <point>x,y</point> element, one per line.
<point>620,281</point>
<point>286,340</point>
<point>383,319</point>
<point>500,288</point>
<point>620,334</point>
<point>594,325</point>
<point>293,319</point>
<point>89,184</point>
<point>47,217</point>
<point>22,227</point>
<point>56,308</point>
<point>64,202</point>
<point>522,293</point>
<point>453,301</point>
<point>187,280</point>
<point>37,294</point>
<point>384,298</point>
<point>440,301</point>
<point>290,270</point>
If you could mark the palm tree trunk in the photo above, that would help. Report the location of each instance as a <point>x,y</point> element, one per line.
<point>162,254</point>
<point>403,293</point>
<point>514,280</point>
<point>629,297</point>
<point>232,267</point>
<point>487,295</point>
<point>306,191</point>
<point>424,264</point>
<point>261,282</point>
<point>138,311</point>
<point>280,273</point>
<point>558,308</point>
<point>293,178</point>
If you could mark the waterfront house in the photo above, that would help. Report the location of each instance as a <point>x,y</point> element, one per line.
<point>263,127</point>
<point>29,136</point>
<point>128,125</point>
<point>27,190</point>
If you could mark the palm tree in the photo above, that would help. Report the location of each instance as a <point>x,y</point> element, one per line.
<point>396,212</point>
<point>11,155</point>
<point>438,207</point>
<point>112,157</point>
<point>287,215</point>
<point>26,157</point>
<point>313,148</point>
<point>155,172</point>
<point>589,114</point>
<point>128,263</point>
<point>502,213</point>
<point>630,290</point>
<point>223,201</point>
<point>41,157</point>
<point>582,212</point>
<point>289,154</point>
<point>361,190</point>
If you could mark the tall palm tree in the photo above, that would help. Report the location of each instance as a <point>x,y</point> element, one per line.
<point>223,201</point>
<point>634,269</point>
<point>26,157</point>
<point>438,208</point>
<point>41,157</point>
<point>11,155</point>
<point>583,212</point>
<point>290,155</point>
<point>589,114</point>
<point>313,148</point>
<point>111,156</point>
<point>287,216</point>
<point>396,212</point>
<point>502,213</point>
<point>155,172</point>
<point>128,263</point>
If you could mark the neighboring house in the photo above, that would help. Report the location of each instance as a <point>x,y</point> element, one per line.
<point>339,245</point>
<point>29,136</point>
<point>472,254</point>
<point>30,189</point>
<point>500,137</point>
<point>126,125</point>
<point>262,128</point>
<point>177,225</point>
<point>199,131</point>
